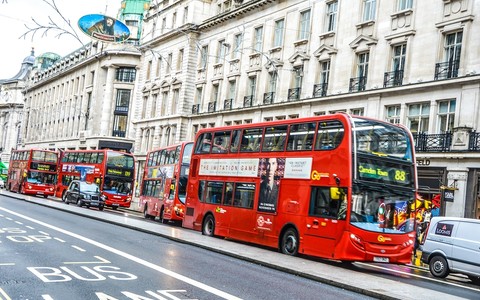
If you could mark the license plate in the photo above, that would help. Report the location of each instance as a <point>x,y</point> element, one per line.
<point>380,259</point>
<point>116,204</point>
<point>94,203</point>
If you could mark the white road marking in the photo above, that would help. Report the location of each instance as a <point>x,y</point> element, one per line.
<point>78,248</point>
<point>30,227</point>
<point>418,276</point>
<point>99,261</point>
<point>7,264</point>
<point>47,297</point>
<point>10,219</point>
<point>4,295</point>
<point>43,232</point>
<point>59,239</point>
<point>133,258</point>
<point>18,222</point>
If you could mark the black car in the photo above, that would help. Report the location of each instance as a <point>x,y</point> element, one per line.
<point>84,194</point>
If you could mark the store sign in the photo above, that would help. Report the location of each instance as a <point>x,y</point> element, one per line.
<point>448,195</point>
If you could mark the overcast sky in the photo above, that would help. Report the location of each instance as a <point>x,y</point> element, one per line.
<point>14,14</point>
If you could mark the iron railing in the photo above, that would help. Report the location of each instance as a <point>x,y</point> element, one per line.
<point>394,78</point>
<point>268,98</point>
<point>248,101</point>
<point>294,94</point>
<point>357,84</point>
<point>440,142</point>
<point>445,70</point>
<point>227,104</point>
<point>320,89</point>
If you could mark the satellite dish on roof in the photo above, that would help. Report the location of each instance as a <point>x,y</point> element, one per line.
<point>104,28</point>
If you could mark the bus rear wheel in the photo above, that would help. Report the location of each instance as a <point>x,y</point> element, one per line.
<point>208,227</point>
<point>289,243</point>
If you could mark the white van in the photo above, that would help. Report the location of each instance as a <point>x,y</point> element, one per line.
<point>452,245</point>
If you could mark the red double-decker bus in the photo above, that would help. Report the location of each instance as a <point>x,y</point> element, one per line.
<point>165,181</point>
<point>113,171</point>
<point>33,172</point>
<point>334,186</point>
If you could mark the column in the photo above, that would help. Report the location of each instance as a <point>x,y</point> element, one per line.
<point>107,107</point>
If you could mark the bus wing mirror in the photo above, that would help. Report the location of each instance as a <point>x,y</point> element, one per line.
<point>334,193</point>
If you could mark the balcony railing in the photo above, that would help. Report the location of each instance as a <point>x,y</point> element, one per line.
<point>268,98</point>
<point>119,133</point>
<point>474,141</point>
<point>195,108</point>
<point>440,142</point>
<point>211,106</point>
<point>121,110</point>
<point>357,84</point>
<point>447,69</point>
<point>247,101</point>
<point>394,78</point>
<point>227,104</point>
<point>320,89</point>
<point>294,94</point>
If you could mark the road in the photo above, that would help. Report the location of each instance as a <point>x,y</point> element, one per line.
<point>51,254</point>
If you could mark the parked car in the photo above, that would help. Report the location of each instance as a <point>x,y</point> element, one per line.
<point>2,184</point>
<point>84,194</point>
<point>452,245</point>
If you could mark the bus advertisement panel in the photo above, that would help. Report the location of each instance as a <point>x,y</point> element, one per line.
<point>113,171</point>
<point>164,184</point>
<point>33,172</point>
<point>334,186</point>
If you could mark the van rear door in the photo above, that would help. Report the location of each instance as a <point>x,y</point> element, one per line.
<point>466,248</point>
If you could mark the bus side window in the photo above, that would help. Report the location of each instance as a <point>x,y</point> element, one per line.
<point>201,189</point>
<point>235,141</point>
<point>228,194</point>
<point>204,143</point>
<point>244,195</point>
<point>274,139</point>
<point>221,141</point>
<point>214,192</point>
<point>301,137</point>
<point>329,135</point>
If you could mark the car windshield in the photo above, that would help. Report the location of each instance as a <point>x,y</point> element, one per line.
<point>88,187</point>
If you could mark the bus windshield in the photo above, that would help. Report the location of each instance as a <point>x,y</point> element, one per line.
<point>379,139</point>
<point>379,209</point>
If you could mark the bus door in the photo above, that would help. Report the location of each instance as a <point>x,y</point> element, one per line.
<point>242,219</point>
<point>169,197</point>
<point>224,209</point>
<point>326,219</point>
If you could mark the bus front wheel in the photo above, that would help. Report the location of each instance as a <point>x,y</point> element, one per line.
<point>208,227</point>
<point>289,243</point>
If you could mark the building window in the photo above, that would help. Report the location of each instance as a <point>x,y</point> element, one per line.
<point>237,46</point>
<point>149,69</point>
<point>215,93</point>
<point>320,89</point>
<point>176,95</point>
<point>272,83</point>
<point>125,74</point>
<point>203,58</point>
<point>395,77</point>
<point>453,47</point>
<point>358,83</point>
<point>404,4</point>
<point>369,7</point>
<point>258,39</point>
<point>278,33</point>
<point>159,67</point>
<point>418,117</point>
<point>304,31</point>
<point>393,114</point>
<point>446,115</point>
<point>120,125</point>
<point>153,113</point>
<point>332,10</point>
<point>163,110</point>
<point>221,51</point>
<point>357,111</point>
<point>180,60</point>
<point>169,63</point>
<point>174,20</point>
<point>144,106</point>
<point>185,15</point>
<point>164,24</point>
<point>121,112</point>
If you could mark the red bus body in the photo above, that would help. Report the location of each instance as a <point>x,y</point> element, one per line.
<point>335,186</point>
<point>33,172</point>
<point>113,171</point>
<point>164,182</point>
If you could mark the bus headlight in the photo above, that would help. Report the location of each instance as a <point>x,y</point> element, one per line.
<point>357,241</point>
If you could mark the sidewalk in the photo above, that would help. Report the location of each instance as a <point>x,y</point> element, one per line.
<point>327,273</point>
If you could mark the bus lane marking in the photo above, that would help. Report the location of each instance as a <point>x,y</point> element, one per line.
<point>417,276</point>
<point>4,295</point>
<point>130,257</point>
<point>99,261</point>
<point>78,248</point>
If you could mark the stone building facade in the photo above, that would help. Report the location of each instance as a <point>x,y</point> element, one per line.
<point>215,63</point>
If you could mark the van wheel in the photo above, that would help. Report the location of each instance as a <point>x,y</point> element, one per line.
<point>289,243</point>
<point>79,203</point>
<point>439,267</point>
<point>208,227</point>
<point>64,199</point>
